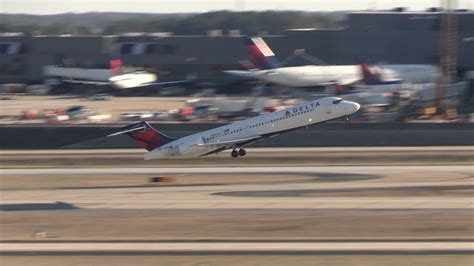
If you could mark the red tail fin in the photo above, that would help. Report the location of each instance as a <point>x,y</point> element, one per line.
<point>367,75</point>
<point>145,135</point>
<point>115,67</point>
<point>261,55</point>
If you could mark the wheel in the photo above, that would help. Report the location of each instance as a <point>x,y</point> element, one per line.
<point>234,154</point>
<point>242,152</point>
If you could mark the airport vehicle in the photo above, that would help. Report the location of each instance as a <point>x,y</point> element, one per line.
<point>237,135</point>
<point>264,66</point>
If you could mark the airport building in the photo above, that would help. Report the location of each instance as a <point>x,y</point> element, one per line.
<point>395,37</point>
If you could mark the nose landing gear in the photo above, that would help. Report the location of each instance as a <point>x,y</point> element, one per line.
<point>348,120</point>
<point>236,153</point>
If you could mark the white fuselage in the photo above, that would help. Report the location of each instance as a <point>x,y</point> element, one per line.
<point>307,76</point>
<point>304,76</point>
<point>416,74</point>
<point>132,80</point>
<point>265,125</point>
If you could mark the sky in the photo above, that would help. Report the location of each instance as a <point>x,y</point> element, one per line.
<point>178,6</point>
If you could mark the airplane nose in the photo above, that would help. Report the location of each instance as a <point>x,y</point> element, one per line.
<point>356,106</point>
<point>353,107</point>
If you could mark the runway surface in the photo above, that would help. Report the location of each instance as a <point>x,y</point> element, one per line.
<point>237,248</point>
<point>239,170</point>
<point>219,196</point>
<point>267,215</point>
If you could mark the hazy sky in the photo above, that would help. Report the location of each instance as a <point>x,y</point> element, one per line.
<point>173,6</point>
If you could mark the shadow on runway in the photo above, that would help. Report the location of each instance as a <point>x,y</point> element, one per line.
<point>306,178</point>
<point>194,180</point>
<point>58,205</point>
<point>342,177</point>
<point>455,190</point>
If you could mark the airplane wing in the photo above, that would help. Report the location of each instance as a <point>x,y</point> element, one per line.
<point>91,82</point>
<point>232,142</point>
<point>250,74</point>
<point>168,82</point>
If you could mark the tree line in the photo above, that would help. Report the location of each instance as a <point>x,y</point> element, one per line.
<point>272,22</point>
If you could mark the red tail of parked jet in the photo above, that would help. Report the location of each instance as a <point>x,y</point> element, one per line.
<point>261,55</point>
<point>115,65</point>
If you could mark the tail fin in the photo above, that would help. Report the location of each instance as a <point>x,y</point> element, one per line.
<point>261,55</point>
<point>371,78</point>
<point>368,77</point>
<point>115,65</point>
<point>145,135</point>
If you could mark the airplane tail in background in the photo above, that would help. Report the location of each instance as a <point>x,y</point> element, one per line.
<point>261,56</point>
<point>145,135</point>
<point>368,77</point>
<point>115,65</point>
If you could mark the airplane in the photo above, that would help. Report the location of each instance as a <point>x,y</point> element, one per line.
<point>239,134</point>
<point>406,73</point>
<point>264,66</point>
<point>117,76</point>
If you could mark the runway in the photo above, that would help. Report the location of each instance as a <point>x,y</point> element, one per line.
<point>257,157</point>
<point>238,170</point>
<point>236,248</point>
<point>218,195</point>
<point>87,212</point>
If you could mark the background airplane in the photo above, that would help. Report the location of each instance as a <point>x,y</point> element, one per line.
<point>264,66</point>
<point>116,76</point>
<point>237,135</point>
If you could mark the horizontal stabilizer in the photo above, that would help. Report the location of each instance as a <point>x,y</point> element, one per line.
<point>128,130</point>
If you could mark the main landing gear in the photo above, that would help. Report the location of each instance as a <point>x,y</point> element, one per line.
<point>236,153</point>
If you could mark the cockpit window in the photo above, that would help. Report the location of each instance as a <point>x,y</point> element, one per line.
<point>337,101</point>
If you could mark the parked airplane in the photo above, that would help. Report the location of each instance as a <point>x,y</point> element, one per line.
<point>265,67</point>
<point>407,73</point>
<point>117,76</point>
<point>237,135</point>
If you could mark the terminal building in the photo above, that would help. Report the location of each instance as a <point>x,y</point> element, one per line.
<point>395,37</point>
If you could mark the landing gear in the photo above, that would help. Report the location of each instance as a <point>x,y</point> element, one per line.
<point>234,154</point>
<point>348,120</point>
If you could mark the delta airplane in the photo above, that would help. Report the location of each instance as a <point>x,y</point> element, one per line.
<point>116,76</point>
<point>265,67</point>
<point>237,135</point>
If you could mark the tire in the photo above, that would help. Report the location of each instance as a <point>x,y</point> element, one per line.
<point>234,154</point>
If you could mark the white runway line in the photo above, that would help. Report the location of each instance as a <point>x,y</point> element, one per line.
<point>235,170</point>
<point>238,247</point>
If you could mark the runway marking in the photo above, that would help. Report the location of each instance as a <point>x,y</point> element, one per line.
<point>203,197</point>
<point>233,170</point>
<point>239,247</point>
